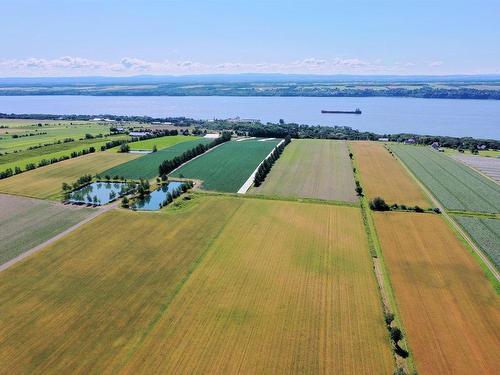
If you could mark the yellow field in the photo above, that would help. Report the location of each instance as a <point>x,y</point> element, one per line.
<point>45,182</point>
<point>286,288</point>
<point>82,304</point>
<point>222,285</point>
<point>383,176</point>
<point>449,309</point>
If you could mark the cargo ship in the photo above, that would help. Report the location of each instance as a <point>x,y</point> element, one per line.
<point>357,111</point>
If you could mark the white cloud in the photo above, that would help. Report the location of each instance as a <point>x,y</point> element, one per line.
<point>436,63</point>
<point>79,66</point>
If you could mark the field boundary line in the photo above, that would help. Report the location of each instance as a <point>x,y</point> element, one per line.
<point>381,272</point>
<point>279,198</point>
<point>58,236</point>
<point>474,169</point>
<point>248,183</point>
<point>475,248</point>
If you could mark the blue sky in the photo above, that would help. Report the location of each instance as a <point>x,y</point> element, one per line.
<point>126,37</point>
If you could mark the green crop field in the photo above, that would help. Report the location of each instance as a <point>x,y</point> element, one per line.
<point>485,232</point>
<point>27,222</point>
<point>312,168</point>
<point>55,131</point>
<point>146,166</point>
<point>161,142</point>
<point>455,185</point>
<point>21,158</point>
<point>223,285</point>
<point>227,167</point>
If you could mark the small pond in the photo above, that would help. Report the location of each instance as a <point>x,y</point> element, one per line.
<point>99,193</point>
<point>153,201</point>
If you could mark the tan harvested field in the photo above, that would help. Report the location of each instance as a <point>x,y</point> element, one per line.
<point>83,304</point>
<point>285,288</point>
<point>449,309</point>
<point>222,285</point>
<point>383,176</point>
<point>45,182</point>
<point>312,168</point>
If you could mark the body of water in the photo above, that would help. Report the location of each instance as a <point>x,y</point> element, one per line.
<point>474,118</point>
<point>155,199</point>
<point>98,193</point>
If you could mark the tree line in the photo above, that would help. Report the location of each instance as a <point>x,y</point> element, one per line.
<point>267,164</point>
<point>167,166</point>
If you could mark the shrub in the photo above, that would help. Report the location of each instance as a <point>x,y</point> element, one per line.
<point>378,204</point>
<point>418,209</point>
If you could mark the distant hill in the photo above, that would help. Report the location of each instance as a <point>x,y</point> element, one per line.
<point>243,78</point>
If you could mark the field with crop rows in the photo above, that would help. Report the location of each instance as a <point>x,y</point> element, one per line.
<point>46,182</point>
<point>312,168</point>
<point>227,167</point>
<point>161,142</point>
<point>455,185</point>
<point>54,132</point>
<point>448,307</point>
<point>146,166</point>
<point>21,158</point>
<point>27,222</point>
<point>83,304</point>
<point>224,285</point>
<point>383,176</point>
<point>490,166</point>
<point>485,232</point>
<point>285,288</point>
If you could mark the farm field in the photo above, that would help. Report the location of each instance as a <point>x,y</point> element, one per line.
<point>84,303</point>
<point>383,176</point>
<point>448,307</point>
<point>161,142</point>
<point>21,158</point>
<point>227,167</point>
<point>485,232</point>
<point>312,168</point>
<point>146,166</point>
<point>46,182</point>
<point>209,278</point>
<point>55,132</point>
<point>455,185</point>
<point>285,288</point>
<point>486,165</point>
<point>27,222</point>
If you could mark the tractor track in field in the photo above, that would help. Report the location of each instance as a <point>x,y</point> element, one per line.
<point>36,249</point>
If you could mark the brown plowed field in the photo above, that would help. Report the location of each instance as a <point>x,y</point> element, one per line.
<point>450,310</point>
<point>383,175</point>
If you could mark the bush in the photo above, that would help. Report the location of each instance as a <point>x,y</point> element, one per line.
<point>418,209</point>
<point>124,147</point>
<point>378,204</point>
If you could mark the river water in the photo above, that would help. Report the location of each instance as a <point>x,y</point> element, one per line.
<point>475,118</point>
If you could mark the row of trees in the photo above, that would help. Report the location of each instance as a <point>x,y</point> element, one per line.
<point>379,204</point>
<point>168,166</point>
<point>267,164</point>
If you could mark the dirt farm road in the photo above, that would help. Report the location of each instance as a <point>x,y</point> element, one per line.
<point>37,248</point>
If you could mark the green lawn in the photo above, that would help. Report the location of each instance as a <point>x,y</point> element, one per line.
<point>147,166</point>
<point>227,167</point>
<point>161,142</point>
<point>455,185</point>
